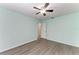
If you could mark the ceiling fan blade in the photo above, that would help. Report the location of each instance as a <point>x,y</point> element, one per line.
<point>46,5</point>
<point>49,10</point>
<point>44,14</point>
<point>37,13</point>
<point>36,8</point>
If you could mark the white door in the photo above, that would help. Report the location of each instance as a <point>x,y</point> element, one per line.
<point>41,28</point>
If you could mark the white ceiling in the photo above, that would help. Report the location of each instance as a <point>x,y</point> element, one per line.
<point>27,9</point>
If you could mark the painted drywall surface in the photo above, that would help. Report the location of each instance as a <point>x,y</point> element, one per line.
<point>64,29</point>
<point>15,29</point>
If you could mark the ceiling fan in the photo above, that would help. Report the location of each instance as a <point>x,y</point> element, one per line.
<point>43,9</point>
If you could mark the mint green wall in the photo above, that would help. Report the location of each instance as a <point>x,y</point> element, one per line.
<point>64,29</point>
<point>15,29</point>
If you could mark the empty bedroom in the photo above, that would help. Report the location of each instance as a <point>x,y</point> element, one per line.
<point>39,28</point>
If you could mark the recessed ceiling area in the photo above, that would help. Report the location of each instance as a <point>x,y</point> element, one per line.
<point>28,10</point>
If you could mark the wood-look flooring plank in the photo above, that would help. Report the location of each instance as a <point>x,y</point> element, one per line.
<point>43,47</point>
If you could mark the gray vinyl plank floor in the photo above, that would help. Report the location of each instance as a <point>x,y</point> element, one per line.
<point>43,47</point>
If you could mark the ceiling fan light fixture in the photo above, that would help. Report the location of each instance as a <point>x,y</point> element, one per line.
<point>42,11</point>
